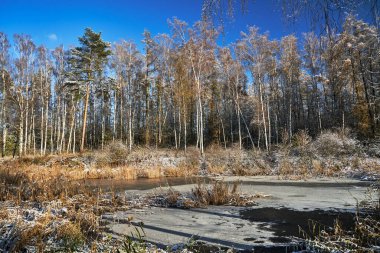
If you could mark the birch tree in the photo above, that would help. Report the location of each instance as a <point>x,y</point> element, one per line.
<point>4,68</point>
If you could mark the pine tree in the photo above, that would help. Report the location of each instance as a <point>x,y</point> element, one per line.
<point>89,60</point>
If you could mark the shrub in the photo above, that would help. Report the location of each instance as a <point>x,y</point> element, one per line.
<point>88,223</point>
<point>334,144</point>
<point>114,154</point>
<point>285,167</point>
<point>301,139</point>
<point>117,152</point>
<point>70,236</point>
<point>373,148</point>
<point>102,159</point>
<point>172,197</point>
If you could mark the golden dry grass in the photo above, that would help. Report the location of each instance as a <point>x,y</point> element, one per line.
<point>216,169</point>
<point>317,167</point>
<point>71,235</point>
<point>4,214</point>
<point>116,162</point>
<point>219,193</point>
<point>286,168</point>
<point>149,173</point>
<point>182,170</point>
<point>31,235</point>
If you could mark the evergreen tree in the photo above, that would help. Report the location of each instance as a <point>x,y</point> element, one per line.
<point>89,59</point>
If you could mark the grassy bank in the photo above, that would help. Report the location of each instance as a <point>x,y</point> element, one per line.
<point>331,155</point>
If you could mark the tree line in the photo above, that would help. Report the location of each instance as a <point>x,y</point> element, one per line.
<point>183,89</point>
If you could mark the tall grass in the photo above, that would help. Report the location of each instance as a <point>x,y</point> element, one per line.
<point>219,193</point>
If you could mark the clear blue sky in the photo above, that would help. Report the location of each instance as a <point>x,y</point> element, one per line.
<point>55,22</point>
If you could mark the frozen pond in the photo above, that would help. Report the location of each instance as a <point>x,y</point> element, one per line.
<point>271,226</point>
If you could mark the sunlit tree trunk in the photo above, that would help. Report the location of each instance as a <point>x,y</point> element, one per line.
<point>84,123</point>
<point>3,125</point>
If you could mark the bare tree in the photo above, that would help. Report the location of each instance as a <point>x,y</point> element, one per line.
<point>4,68</point>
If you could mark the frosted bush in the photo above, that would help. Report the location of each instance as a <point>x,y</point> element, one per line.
<point>117,152</point>
<point>373,149</point>
<point>301,139</point>
<point>113,154</point>
<point>332,144</point>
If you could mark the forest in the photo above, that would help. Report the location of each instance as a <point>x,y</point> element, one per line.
<point>190,141</point>
<point>183,89</point>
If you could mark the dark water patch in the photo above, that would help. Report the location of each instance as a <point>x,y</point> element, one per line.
<point>286,222</point>
<point>249,239</point>
<point>280,239</point>
<point>202,247</point>
<point>276,249</point>
<point>118,185</point>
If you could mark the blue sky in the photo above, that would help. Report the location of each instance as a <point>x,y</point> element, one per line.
<point>54,22</point>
